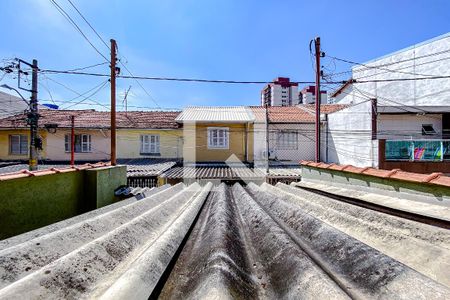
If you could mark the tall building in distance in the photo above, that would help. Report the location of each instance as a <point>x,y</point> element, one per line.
<point>282,92</point>
<point>308,95</point>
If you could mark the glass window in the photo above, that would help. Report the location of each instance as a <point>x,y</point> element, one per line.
<point>150,144</point>
<point>218,138</point>
<point>398,150</point>
<point>18,144</point>
<point>427,129</point>
<point>82,143</point>
<point>427,150</point>
<point>287,140</point>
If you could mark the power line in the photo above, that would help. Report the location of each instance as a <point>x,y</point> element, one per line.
<point>89,24</point>
<point>234,81</point>
<point>88,67</point>
<point>378,68</point>
<point>74,24</point>
<point>90,95</point>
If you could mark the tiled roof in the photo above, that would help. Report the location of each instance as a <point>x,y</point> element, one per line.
<point>216,114</point>
<point>303,113</point>
<point>433,178</point>
<point>98,119</point>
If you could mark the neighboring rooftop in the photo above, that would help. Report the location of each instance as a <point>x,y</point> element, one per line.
<point>98,119</point>
<point>303,113</point>
<point>11,105</point>
<point>229,114</point>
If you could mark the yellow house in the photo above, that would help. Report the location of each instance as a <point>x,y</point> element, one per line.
<point>217,134</point>
<point>151,134</point>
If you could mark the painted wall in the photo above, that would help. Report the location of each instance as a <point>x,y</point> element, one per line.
<point>349,137</point>
<point>196,142</point>
<point>100,145</point>
<point>4,144</point>
<point>408,126</point>
<point>414,92</point>
<point>438,195</point>
<point>305,142</point>
<point>129,143</point>
<point>32,202</point>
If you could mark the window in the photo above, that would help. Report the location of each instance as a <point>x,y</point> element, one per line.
<point>427,129</point>
<point>18,144</point>
<point>218,137</point>
<point>150,144</point>
<point>82,143</point>
<point>287,140</point>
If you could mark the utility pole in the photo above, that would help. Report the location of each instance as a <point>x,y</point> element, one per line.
<point>317,104</point>
<point>72,141</point>
<point>33,117</point>
<point>267,138</point>
<point>113,102</point>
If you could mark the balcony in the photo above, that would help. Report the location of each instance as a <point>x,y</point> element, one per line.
<point>417,150</point>
<point>421,156</point>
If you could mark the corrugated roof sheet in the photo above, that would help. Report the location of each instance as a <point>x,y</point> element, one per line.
<point>253,242</point>
<point>98,119</point>
<point>212,173</point>
<point>216,114</point>
<point>154,169</point>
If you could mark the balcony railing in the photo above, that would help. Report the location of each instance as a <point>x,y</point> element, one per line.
<point>417,150</point>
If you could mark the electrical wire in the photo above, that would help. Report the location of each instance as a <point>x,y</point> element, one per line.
<point>77,28</point>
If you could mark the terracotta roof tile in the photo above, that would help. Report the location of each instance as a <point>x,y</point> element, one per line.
<point>303,113</point>
<point>98,119</point>
<point>26,173</point>
<point>433,178</point>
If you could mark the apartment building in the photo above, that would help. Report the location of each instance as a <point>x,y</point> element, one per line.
<point>281,92</point>
<point>308,95</point>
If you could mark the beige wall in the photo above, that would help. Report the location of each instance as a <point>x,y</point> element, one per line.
<point>199,134</point>
<point>4,144</point>
<point>100,145</point>
<point>129,143</point>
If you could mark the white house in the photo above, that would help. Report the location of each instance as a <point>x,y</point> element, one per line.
<point>402,99</point>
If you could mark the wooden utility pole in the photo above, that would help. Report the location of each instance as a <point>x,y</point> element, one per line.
<point>33,118</point>
<point>72,141</point>
<point>113,102</point>
<point>317,104</point>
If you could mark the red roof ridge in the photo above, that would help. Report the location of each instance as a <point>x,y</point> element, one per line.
<point>436,178</point>
<point>26,173</point>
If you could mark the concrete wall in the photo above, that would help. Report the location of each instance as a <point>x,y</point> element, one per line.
<point>414,92</point>
<point>32,202</point>
<point>349,137</point>
<point>390,187</point>
<point>408,126</point>
<point>129,143</point>
<point>305,142</point>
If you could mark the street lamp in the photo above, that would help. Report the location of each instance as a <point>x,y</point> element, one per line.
<point>5,86</point>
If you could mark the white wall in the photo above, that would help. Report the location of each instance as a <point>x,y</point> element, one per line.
<point>408,126</point>
<point>259,144</point>
<point>350,137</point>
<point>432,92</point>
<point>305,145</point>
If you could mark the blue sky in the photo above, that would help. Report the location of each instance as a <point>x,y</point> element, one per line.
<point>237,40</point>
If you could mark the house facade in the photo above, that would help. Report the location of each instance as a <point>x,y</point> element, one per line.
<point>152,134</point>
<point>217,134</point>
<point>291,133</point>
<point>399,117</point>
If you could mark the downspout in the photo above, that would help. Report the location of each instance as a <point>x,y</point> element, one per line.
<point>246,142</point>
